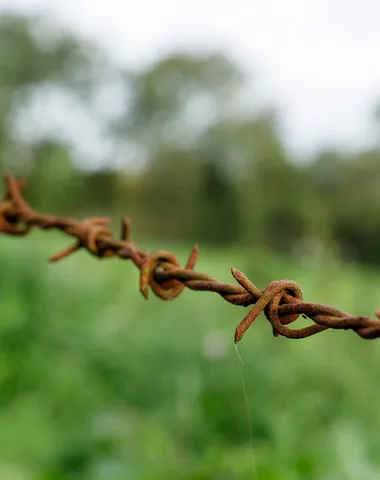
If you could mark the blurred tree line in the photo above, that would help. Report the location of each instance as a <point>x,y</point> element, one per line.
<point>185,155</point>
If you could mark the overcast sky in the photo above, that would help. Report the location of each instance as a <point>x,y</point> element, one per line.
<point>316,60</point>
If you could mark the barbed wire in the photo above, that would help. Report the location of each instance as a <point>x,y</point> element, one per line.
<point>281,302</point>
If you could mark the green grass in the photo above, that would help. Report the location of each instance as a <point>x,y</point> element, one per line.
<point>98,383</point>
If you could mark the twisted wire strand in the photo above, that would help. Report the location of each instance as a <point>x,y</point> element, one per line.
<point>281,302</point>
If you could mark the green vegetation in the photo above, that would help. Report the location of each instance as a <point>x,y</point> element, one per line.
<point>97,383</point>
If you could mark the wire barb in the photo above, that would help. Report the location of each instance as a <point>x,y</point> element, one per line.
<point>281,302</point>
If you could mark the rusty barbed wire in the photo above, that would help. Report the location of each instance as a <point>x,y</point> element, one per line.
<point>281,302</point>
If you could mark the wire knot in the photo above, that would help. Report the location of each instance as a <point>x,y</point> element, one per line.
<point>277,293</point>
<point>162,260</point>
<point>90,233</point>
<point>13,207</point>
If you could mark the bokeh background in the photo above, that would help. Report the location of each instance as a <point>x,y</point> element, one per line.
<point>249,128</point>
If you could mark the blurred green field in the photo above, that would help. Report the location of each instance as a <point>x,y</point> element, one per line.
<point>98,383</point>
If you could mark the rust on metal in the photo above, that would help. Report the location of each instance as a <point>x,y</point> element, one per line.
<point>281,302</point>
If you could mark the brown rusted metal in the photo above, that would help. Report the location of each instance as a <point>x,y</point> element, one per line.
<point>281,302</point>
